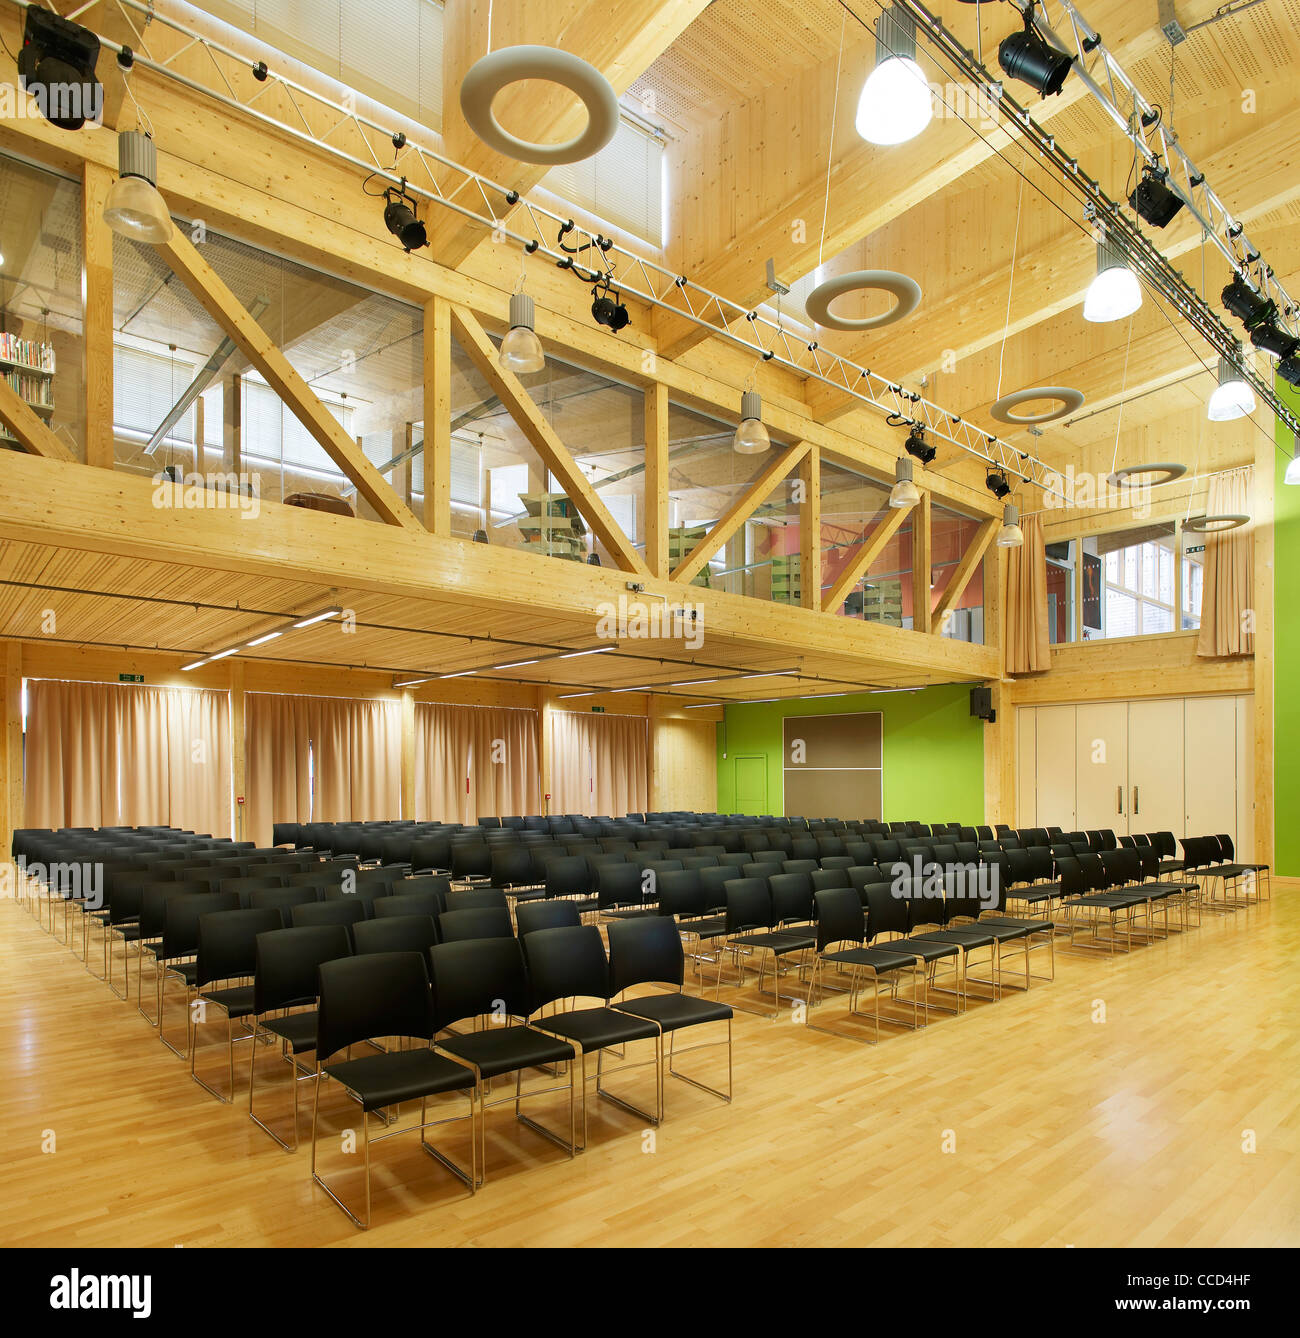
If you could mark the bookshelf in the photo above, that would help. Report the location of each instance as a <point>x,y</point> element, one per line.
<point>28,366</point>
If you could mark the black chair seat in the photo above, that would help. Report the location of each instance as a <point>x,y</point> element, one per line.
<point>672,1011</point>
<point>1236,870</point>
<point>584,905</point>
<point>525,893</point>
<point>1115,901</point>
<point>1033,895</point>
<point>594,1028</point>
<point>1011,922</point>
<point>504,1049</point>
<point>188,971</point>
<point>631,915</point>
<point>879,959</point>
<point>237,1000</point>
<point>711,926</point>
<point>298,1029</point>
<point>1171,866</point>
<point>778,941</point>
<point>400,1075</point>
<point>967,936</point>
<point>1006,930</point>
<point>927,948</point>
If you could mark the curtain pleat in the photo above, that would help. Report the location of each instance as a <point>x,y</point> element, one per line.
<point>355,751</point>
<point>473,762</point>
<point>100,755</point>
<point>599,764</point>
<point>1228,587</point>
<point>1028,649</point>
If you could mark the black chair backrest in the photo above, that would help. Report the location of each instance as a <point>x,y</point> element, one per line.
<point>533,916</point>
<point>478,977</point>
<point>479,922</point>
<point>381,994</point>
<point>749,905</point>
<point>339,912</point>
<point>431,852</point>
<point>645,952</point>
<point>840,918</point>
<point>1226,851</point>
<point>512,867</point>
<point>395,933</point>
<point>282,900</point>
<point>470,859</point>
<point>1094,871</point>
<point>244,887</point>
<point>886,913</point>
<point>566,963</point>
<point>964,894</point>
<point>568,876</point>
<point>286,963</point>
<point>792,898</point>
<point>619,885</point>
<point>714,884</point>
<point>476,898</point>
<point>826,879</point>
<point>227,943</point>
<point>181,919</point>
<point>408,903</point>
<point>681,893</point>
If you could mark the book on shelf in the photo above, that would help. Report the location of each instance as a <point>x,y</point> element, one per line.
<point>36,356</point>
<point>34,389</point>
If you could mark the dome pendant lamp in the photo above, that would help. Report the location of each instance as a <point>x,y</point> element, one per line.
<point>751,436</point>
<point>896,103</point>
<point>134,207</point>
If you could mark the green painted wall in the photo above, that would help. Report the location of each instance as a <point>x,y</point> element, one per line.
<point>1286,650</point>
<point>933,751</point>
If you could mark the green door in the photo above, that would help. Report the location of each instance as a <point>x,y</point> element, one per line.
<point>750,785</point>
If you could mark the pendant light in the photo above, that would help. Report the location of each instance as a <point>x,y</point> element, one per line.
<point>521,350</point>
<point>134,208</point>
<point>751,436</point>
<point>1010,535</point>
<point>904,493</point>
<point>1115,292</point>
<point>1293,469</point>
<point>896,103</point>
<point>1233,397</point>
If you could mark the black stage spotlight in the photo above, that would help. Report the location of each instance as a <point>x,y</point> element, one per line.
<point>57,67</point>
<point>1027,56</point>
<point>997,483</point>
<point>917,446</point>
<point>1153,200</point>
<point>1289,370</point>
<point>1270,337</point>
<point>1248,306</point>
<point>400,219</point>
<point>606,309</point>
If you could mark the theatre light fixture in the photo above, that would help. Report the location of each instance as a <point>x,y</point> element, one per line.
<point>1029,57</point>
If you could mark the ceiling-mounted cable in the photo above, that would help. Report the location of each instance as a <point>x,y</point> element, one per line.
<point>830,148</point>
<point>1011,283</point>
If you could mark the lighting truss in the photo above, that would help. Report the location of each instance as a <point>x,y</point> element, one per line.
<point>1118,223</point>
<point>474,197</point>
<point>1145,127</point>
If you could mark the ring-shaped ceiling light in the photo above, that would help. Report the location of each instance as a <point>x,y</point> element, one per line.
<point>1165,470</point>
<point>1229,520</point>
<point>907,291</point>
<point>489,75</point>
<point>1067,397</point>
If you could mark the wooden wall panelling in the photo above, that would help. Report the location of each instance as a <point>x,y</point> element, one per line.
<point>97,314</point>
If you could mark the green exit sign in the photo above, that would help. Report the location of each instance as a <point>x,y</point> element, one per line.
<point>130,678</point>
<point>598,710</point>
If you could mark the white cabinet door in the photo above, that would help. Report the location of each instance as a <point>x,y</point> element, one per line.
<point>1054,764</point>
<point>1026,766</point>
<point>1101,766</point>
<point>1211,770</point>
<point>1156,802</point>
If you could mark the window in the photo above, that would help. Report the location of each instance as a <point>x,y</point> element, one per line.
<point>1129,583</point>
<point>1062,560</point>
<point>1193,576</point>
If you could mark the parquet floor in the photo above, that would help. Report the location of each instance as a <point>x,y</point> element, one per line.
<point>1028,1122</point>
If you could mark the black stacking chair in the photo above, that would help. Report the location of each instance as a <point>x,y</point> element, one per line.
<point>761,918</point>
<point>420,883</point>
<point>476,922</point>
<point>570,878</point>
<point>409,903</point>
<point>649,952</point>
<point>622,892</point>
<point>471,862</point>
<point>888,914</point>
<point>486,978</point>
<point>512,873</point>
<point>286,976</point>
<point>927,918</point>
<point>385,994</point>
<point>226,952</point>
<point>534,916</point>
<point>570,964</point>
<point>395,933</point>
<point>1233,871</point>
<point>840,920</point>
<point>174,955</point>
<point>477,899</point>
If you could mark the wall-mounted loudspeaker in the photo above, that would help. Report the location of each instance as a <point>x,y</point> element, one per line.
<point>981,704</point>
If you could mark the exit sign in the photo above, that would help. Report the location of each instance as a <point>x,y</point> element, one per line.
<point>130,678</point>
<point>1199,548</point>
<point>598,710</point>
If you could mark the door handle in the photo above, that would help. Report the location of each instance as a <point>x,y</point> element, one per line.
<point>1135,800</point>
<point>1119,799</point>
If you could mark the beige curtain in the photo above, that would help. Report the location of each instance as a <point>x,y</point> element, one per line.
<point>473,762</point>
<point>99,755</point>
<point>1228,598</point>
<point>355,749</point>
<point>599,764</point>
<point>1027,647</point>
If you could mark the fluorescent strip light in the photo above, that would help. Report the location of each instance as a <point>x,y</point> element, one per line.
<point>573,654</point>
<point>262,640</point>
<point>567,696</point>
<point>411,682</point>
<point>695,706</point>
<point>198,664</point>
<point>774,673</point>
<point>692,682</point>
<point>318,618</point>
<point>518,664</point>
<point>461,674</point>
<point>221,654</point>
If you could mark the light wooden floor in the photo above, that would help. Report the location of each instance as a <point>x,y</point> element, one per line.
<point>1067,1131</point>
